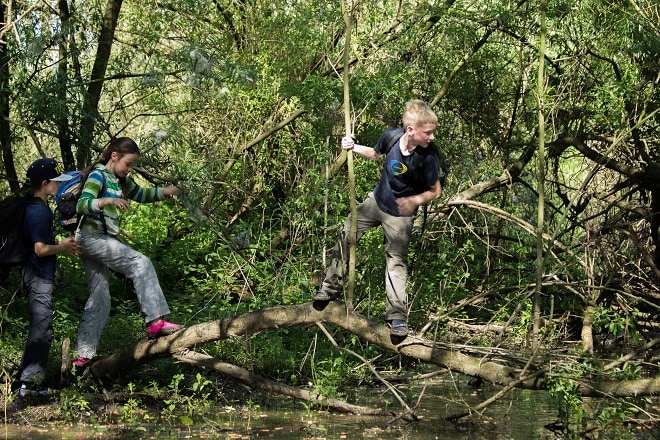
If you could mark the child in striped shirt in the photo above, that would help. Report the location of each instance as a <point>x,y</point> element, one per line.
<point>105,196</point>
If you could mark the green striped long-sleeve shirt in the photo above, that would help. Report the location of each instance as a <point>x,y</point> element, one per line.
<point>88,203</point>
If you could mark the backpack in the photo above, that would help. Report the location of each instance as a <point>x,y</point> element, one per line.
<point>392,136</point>
<point>14,245</point>
<point>66,200</point>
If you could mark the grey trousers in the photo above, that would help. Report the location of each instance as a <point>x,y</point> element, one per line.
<point>397,232</point>
<point>100,253</point>
<point>40,335</point>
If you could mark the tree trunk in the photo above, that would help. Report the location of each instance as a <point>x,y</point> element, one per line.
<point>93,95</point>
<point>586,333</point>
<point>346,10</point>
<point>5,96</point>
<point>540,182</point>
<point>63,133</point>
<point>308,314</point>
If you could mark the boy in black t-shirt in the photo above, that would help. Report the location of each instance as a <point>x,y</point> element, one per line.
<point>409,179</point>
<point>38,274</point>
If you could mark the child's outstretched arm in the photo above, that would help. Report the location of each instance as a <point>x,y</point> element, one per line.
<point>171,190</point>
<point>151,194</point>
<point>347,143</point>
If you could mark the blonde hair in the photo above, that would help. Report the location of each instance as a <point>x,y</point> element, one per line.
<point>418,113</point>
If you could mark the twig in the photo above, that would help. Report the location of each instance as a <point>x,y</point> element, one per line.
<point>373,370</point>
<point>632,354</point>
<point>501,393</point>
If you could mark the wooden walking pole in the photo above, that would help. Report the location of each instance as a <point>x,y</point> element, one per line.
<point>346,11</point>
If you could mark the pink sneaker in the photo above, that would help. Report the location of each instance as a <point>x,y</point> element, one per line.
<point>80,362</point>
<point>162,328</point>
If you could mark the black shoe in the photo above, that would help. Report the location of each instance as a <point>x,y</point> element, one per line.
<point>26,390</point>
<point>323,295</point>
<point>398,327</point>
<point>16,385</point>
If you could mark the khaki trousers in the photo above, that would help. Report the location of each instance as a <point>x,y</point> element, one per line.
<point>397,232</point>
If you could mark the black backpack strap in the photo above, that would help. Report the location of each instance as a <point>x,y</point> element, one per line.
<point>390,137</point>
<point>443,166</point>
<point>103,189</point>
<point>84,216</point>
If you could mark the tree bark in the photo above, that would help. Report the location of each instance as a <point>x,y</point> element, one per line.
<point>350,287</point>
<point>93,95</point>
<point>63,132</point>
<point>308,314</point>
<point>5,96</point>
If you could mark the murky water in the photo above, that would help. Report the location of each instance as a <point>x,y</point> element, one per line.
<point>522,414</point>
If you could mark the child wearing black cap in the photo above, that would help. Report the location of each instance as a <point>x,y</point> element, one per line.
<point>38,274</point>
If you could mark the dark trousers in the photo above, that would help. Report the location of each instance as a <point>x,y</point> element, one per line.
<point>40,335</point>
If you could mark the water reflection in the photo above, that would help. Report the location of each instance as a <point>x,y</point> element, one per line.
<point>522,414</point>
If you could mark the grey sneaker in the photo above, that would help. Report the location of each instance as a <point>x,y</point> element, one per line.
<point>398,327</point>
<point>323,295</point>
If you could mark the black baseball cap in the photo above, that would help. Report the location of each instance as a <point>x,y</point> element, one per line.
<point>46,169</point>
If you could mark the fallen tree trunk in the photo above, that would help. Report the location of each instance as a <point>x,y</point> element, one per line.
<point>255,381</point>
<point>308,314</point>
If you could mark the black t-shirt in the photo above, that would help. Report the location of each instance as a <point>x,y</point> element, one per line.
<point>404,176</point>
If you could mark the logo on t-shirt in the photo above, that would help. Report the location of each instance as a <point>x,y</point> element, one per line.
<point>397,167</point>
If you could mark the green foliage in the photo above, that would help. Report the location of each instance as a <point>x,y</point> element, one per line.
<point>578,413</point>
<point>568,401</point>
<point>72,404</point>
<point>182,403</point>
<point>606,320</point>
<point>329,376</point>
<point>212,103</point>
